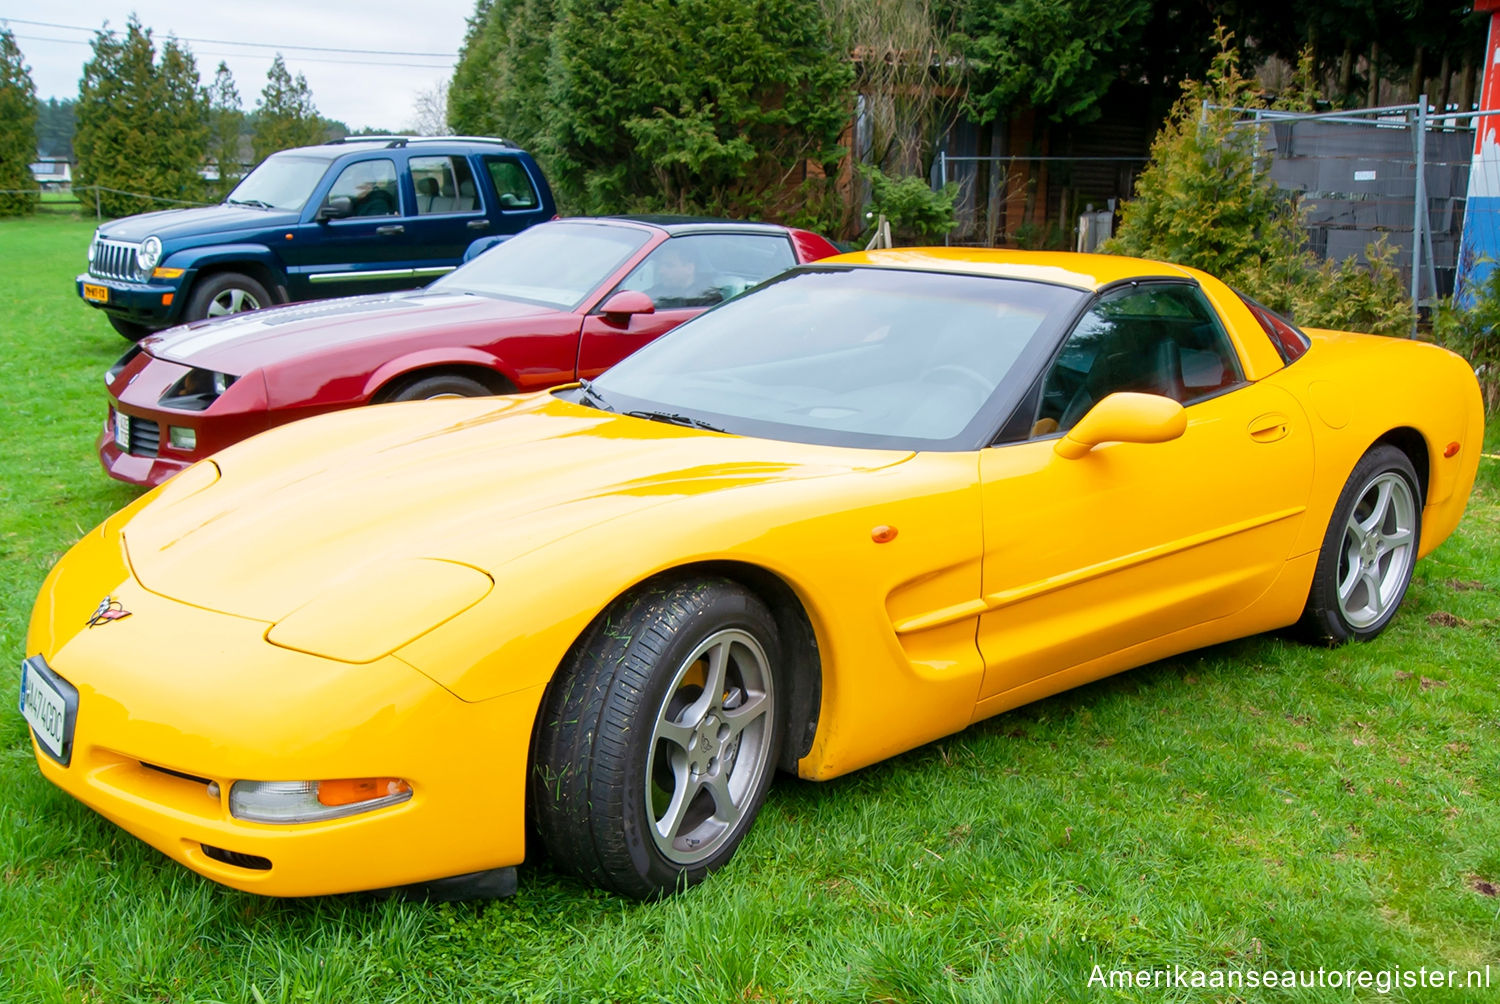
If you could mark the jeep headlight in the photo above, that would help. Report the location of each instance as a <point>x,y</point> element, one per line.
<point>148,254</point>
<point>93,246</point>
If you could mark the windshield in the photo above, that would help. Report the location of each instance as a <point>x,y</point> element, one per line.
<point>851,356</point>
<point>282,181</point>
<point>554,264</point>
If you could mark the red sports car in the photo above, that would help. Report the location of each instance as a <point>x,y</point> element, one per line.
<point>560,301</point>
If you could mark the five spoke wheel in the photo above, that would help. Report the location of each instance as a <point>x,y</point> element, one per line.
<point>1369,550</point>
<point>657,739</point>
<point>710,745</point>
<point>1379,546</point>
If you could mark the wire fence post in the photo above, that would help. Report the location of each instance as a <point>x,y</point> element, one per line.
<point>98,208</point>
<point>1419,203</point>
<point>942,183</point>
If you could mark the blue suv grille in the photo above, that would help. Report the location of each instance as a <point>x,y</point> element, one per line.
<point>114,260</point>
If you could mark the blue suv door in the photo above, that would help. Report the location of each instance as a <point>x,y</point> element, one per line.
<point>365,252</point>
<point>451,211</point>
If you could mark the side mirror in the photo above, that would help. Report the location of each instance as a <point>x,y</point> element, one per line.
<point>1124,418</point>
<point>335,208</point>
<point>619,308</point>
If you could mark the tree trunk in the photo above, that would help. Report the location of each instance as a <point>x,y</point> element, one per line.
<point>1346,72</point>
<point>1445,86</point>
<point>1466,86</point>
<point>1372,91</point>
<point>982,183</point>
<point>1416,82</point>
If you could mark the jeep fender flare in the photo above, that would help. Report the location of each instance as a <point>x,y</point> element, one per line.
<point>262,261</point>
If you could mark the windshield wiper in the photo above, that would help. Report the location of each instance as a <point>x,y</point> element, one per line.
<point>592,396</point>
<point>257,203</point>
<point>672,418</point>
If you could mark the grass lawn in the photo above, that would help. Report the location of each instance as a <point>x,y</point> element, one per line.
<point>1259,805</point>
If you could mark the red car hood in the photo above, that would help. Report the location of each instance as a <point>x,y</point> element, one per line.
<point>243,342</point>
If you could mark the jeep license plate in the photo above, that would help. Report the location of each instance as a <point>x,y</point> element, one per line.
<point>95,294</point>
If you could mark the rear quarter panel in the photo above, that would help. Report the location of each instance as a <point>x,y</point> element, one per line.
<point>1359,388</point>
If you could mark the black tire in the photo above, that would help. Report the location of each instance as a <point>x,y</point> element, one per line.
<point>440,385</point>
<point>225,293</point>
<point>128,329</point>
<point>1369,551</point>
<point>627,725</point>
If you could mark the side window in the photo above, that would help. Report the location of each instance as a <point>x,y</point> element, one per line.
<point>443,185</point>
<point>1160,338</point>
<point>512,183</point>
<point>370,185</point>
<point>700,270</point>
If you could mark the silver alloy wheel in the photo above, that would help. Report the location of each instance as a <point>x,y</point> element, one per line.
<point>710,746</point>
<point>1379,548</point>
<point>232,301</point>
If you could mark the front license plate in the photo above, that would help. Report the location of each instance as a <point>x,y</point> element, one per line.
<point>95,294</point>
<point>50,706</point>
<point>122,431</point>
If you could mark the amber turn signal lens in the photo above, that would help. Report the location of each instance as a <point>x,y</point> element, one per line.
<point>360,789</point>
<point>883,534</point>
<point>1451,451</point>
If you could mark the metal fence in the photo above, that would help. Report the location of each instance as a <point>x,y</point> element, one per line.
<point>1397,174</point>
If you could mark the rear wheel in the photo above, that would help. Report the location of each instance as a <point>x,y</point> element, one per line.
<point>656,743</point>
<point>225,293</point>
<point>1368,552</point>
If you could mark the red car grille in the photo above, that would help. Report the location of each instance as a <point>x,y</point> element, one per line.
<point>143,436</point>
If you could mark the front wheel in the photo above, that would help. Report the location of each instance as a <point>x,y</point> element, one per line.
<point>1368,552</point>
<point>225,293</point>
<point>128,329</point>
<point>657,741</point>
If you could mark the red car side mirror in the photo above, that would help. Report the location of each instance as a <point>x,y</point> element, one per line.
<point>620,307</point>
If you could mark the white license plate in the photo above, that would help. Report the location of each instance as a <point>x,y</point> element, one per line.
<point>49,704</point>
<point>122,431</point>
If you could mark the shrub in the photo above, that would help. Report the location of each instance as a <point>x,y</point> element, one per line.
<point>916,213</point>
<point>1206,201</point>
<point>1475,334</point>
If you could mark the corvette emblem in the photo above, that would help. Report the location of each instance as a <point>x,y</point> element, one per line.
<point>109,609</point>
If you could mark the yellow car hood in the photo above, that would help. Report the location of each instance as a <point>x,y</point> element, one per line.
<point>478,482</point>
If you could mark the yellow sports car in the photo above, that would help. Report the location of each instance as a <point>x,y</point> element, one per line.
<point>871,502</point>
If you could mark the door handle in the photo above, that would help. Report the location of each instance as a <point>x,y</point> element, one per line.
<point>1269,428</point>
<point>390,230</point>
<point>479,224</point>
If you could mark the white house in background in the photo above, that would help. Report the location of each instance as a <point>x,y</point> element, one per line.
<point>52,174</point>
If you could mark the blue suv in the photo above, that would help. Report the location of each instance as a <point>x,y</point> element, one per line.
<point>359,215</point>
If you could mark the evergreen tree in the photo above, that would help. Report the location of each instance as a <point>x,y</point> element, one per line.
<point>18,190</point>
<point>141,125</point>
<point>285,116</point>
<point>54,128</point>
<point>226,119</point>
<point>696,106</point>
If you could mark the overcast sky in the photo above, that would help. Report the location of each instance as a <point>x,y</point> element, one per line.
<point>361,88</point>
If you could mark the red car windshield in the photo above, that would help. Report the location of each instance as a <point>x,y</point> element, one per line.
<point>553,264</point>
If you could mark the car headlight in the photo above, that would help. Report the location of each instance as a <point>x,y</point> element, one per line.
<point>197,389</point>
<point>93,247</point>
<point>312,801</point>
<point>148,254</point>
<point>372,612</point>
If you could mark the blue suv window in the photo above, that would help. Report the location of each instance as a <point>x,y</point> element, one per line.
<point>443,185</point>
<point>371,185</point>
<point>512,184</point>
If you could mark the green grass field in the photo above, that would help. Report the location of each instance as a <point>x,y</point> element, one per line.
<point>1259,805</point>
